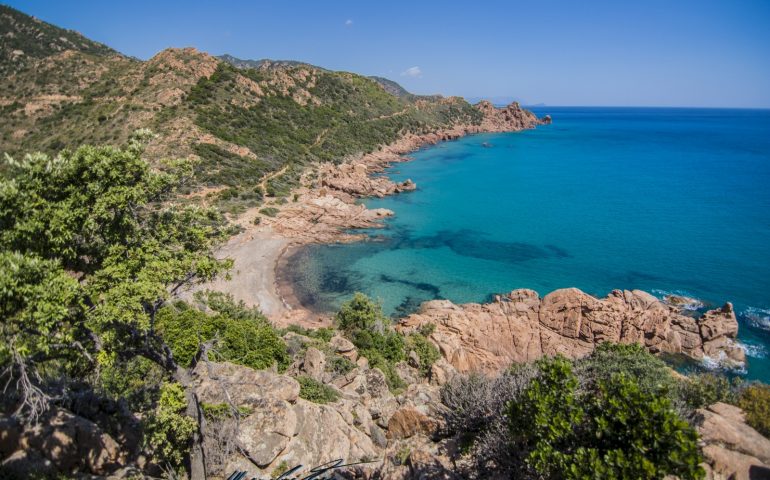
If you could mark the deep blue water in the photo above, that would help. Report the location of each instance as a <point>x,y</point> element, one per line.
<point>664,200</point>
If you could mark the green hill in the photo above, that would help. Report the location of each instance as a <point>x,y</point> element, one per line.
<point>242,118</point>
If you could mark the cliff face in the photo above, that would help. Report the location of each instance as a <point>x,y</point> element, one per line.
<point>522,327</point>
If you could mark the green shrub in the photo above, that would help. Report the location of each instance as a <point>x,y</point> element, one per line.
<point>269,211</point>
<point>361,313</point>
<point>137,381</point>
<point>427,329</point>
<point>615,430</point>
<point>339,365</point>
<point>426,351</point>
<point>364,323</point>
<point>168,431</point>
<point>755,401</point>
<point>243,335</point>
<point>221,411</point>
<point>704,389</point>
<point>324,333</point>
<point>633,360</point>
<point>315,391</point>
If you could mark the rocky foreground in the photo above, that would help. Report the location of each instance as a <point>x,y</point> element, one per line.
<point>522,327</point>
<point>397,436</point>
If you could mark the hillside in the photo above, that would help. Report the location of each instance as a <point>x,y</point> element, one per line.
<point>26,39</point>
<point>242,118</point>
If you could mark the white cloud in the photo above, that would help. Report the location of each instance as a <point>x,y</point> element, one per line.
<point>412,72</point>
<point>348,22</point>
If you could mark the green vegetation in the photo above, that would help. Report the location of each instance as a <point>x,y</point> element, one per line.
<point>242,335</point>
<point>755,401</point>
<point>614,414</point>
<point>614,430</point>
<point>363,322</point>
<point>221,411</point>
<point>314,391</point>
<point>269,211</point>
<point>168,430</point>
<point>91,250</point>
<point>704,389</point>
<point>324,333</point>
<point>426,351</point>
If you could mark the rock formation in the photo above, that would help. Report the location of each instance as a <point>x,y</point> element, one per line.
<point>521,327</point>
<point>732,449</point>
<point>509,118</point>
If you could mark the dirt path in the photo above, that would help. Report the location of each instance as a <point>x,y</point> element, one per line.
<point>270,176</point>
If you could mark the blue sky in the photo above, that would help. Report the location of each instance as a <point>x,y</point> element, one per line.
<point>558,52</point>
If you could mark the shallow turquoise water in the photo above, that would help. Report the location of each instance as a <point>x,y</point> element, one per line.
<point>665,200</point>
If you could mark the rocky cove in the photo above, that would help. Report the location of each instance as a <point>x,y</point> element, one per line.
<point>370,422</point>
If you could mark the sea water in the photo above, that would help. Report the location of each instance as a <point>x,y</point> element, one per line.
<point>663,200</point>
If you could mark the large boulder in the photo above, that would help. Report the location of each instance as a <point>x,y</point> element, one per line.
<point>217,383</point>
<point>732,449</point>
<point>314,363</point>
<point>60,442</point>
<point>522,327</point>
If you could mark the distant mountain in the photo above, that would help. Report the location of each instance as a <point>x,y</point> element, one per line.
<point>264,63</point>
<point>240,118</point>
<point>25,38</point>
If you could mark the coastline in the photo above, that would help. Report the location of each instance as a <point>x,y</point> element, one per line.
<point>324,211</point>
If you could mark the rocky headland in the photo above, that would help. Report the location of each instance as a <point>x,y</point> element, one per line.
<point>522,327</point>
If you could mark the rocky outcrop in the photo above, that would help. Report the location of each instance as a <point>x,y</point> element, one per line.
<point>507,119</point>
<point>277,428</point>
<point>355,179</point>
<point>522,327</point>
<point>732,449</point>
<point>61,443</point>
<point>324,219</point>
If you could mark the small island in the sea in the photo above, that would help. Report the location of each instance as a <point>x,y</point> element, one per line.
<point>224,266</point>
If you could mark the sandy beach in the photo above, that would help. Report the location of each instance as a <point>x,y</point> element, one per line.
<point>324,210</point>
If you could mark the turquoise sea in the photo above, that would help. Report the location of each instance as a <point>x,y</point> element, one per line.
<point>664,200</point>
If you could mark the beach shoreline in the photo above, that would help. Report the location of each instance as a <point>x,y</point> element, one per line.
<point>324,210</point>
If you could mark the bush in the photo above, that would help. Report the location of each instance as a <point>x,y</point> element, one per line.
<point>339,365</point>
<point>243,335</point>
<point>324,333</point>
<point>269,211</point>
<point>755,401</point>
<point>615,430</point>
<point>315,391</point>
<point>361,313</point>
<point>633,360</point>
<point>168,431</point>
<point>704,389</point>
<point>570,419</point>
<point>426,351</point>
<point>363,322</point>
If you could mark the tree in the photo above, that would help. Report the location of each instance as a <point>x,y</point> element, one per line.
<point>92,247</point>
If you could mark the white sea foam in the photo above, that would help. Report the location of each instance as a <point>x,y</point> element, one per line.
<point>695,304</point>
<point>723,363</point>
<point>754,350</point>
<point>758,317</point>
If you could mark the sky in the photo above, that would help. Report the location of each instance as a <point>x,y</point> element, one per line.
<point>700,53</point>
